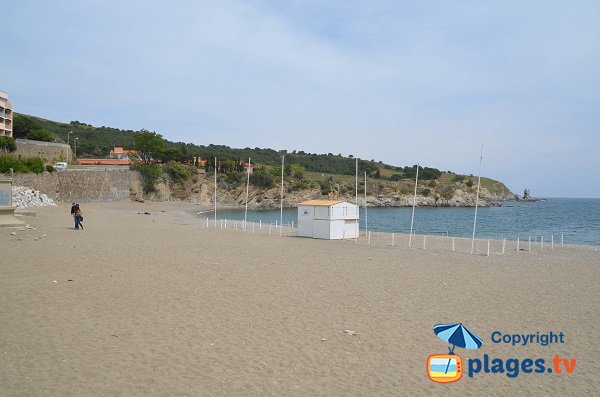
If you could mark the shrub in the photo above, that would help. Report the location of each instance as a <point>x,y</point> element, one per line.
<point>7,143</point>
<point>261,177</point>
<point>31,164</point>
<point>300,185</point>
<point>447,193</point>
<point>50,168</point>
<point>296,170</point>
<point>458,178</point>
<point>326,187</point>
<point>425,192</point>
<point>396,177</point>
<point>8,162</point>
<point>151,175</point>
<point>343,189</point>
<point>40,135</point>
<point>177,172</point>
<point>469,183</point>
<point>234,178</point>
<point>34,164</point>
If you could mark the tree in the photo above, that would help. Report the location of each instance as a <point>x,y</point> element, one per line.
<point>40,135</point>
<point>149,144</point>
<point>7,144</point>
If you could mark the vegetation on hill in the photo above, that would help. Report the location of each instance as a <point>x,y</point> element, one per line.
<point>30,164</point>
<point>331,174</point>
<point>7,144</point>
<point>98,141</point>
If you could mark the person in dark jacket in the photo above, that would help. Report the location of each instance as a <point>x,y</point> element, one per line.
<point>78,216</point>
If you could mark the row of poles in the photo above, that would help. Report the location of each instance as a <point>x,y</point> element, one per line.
<point>530,243</point>
<point>248,189</point>
<point>412,219</point>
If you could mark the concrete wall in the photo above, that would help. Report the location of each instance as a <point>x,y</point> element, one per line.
<point>84,185</point>
<point>49,151</point>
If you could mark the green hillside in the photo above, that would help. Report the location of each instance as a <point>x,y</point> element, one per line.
<point>97,142</point>
<point>321,170</point>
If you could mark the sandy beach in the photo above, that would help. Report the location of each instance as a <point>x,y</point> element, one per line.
<point>152,305</point>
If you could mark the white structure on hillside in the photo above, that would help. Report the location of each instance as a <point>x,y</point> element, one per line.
<point>328,219</point>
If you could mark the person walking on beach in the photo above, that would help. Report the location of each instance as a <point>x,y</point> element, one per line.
<point>72,208</point>
<point>78,216</point>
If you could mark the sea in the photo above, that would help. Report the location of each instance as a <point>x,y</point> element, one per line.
<point>575,220</point>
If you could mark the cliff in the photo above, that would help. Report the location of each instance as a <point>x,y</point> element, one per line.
<point>443,192</point>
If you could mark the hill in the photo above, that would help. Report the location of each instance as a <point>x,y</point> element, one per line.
<point>308,175</point>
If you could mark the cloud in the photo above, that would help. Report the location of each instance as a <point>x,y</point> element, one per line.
<point>397,81</point>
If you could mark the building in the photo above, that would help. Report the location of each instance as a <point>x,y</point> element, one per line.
<point>6,115</point>
<point>104,161</point>
<point>248,167</point>
<point>328,219</point>
<point>123,154</point>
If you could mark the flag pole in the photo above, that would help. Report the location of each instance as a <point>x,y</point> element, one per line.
<point>366,217</point>
<point>477,200</point>
<point>247,188</point>
<point>357,207</point>
<point>412,219</point>
<point>215,192</point>
<point>281,198</point>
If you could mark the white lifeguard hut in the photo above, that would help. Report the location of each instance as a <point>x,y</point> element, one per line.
<point>328,219</point>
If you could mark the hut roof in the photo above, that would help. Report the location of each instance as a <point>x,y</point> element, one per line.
<point>325,203</point>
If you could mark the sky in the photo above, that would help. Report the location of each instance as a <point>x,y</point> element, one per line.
<point>397,81</point>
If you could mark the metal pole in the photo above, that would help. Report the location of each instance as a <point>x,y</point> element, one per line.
<point>542,243</point>
<point>529,243</point>
<point>488,250</point>
<point>366,216</point>
<point>412,219</point>
<point>393,238</point>
<point>369,238</point>
<point>357,207</point>
<point>518,243</point>
<point>562,240</point>
<point>215,190</point>
<point>477,200</point>
<point>247,188</point>
<point>424,241</point>
<point>281,202</point>
<point>453,245</point>
<point>503,246</point>
<point>553,242</point>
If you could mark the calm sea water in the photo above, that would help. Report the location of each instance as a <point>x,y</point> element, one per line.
<point>577,219</point>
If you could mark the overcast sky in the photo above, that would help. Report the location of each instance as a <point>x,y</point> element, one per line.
<point>397,81</point>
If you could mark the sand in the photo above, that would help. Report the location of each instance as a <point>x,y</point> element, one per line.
<point>144,305</point>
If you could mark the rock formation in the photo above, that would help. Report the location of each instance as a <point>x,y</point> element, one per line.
<point>23,197</point>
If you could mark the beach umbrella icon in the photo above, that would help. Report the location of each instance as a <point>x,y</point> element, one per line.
<point>457,335</point>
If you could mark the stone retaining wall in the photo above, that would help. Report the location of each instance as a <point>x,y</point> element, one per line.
<point>83,185</point>
<point>49,151</point>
